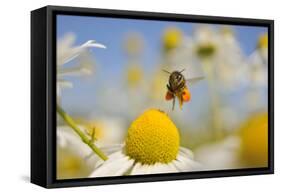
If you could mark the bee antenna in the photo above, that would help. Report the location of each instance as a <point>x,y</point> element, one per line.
<point>166,71</point>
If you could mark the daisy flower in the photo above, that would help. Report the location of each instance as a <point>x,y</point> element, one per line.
<point>223,154</point>
<point>74,147</point>
<point>67,52</point>
<point>257,75</point>
<point>71,154</point>
<point>225,66</point>
<point>75,159</point>
<point>254,140</point>
<point>221,55</point>
<point>258,62</point>
<point>106,129</point>
<point>134,44</point>
<point>172,38</point>
<point>152,146</point>
<point>247,149</point>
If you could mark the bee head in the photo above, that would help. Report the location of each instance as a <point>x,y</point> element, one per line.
<point>176,75</point>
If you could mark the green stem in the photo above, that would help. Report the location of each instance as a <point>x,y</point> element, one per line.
<point>67,118</point>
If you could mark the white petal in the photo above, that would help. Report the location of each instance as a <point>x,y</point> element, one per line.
<point>66,54</point>
<point>67,57</point>
<point>181,166</point>
<point>195,165</point>
<point>73,141</point>
<point>163,168</point>
<point>92,43</point>
<point>187,152</point>
<point>111,157</point>
<point>136,169</point>
<point>64,84</point>
<point>183,163</point>
<point>125,167</point>
<point>61,140</point>
<point>97,45</point>
<point>75,71</point>
<point>117,164</point>
<point>108,150</point>
<point>140,169</point>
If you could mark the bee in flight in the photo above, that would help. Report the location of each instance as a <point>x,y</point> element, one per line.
<point>177,88</point>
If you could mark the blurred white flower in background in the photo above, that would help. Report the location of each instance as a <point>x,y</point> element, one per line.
<point>247,148</point>
<point>75,159</point>
<point>107,130</point>
<point>219,155</point>
<point>221,55</point>
<point>71,155</point>
<point>134,74</point>
<point>67,52</point>
<point>231,62</point>
<point>257,75</point>
<point>225,66</point>
<point>258,62</point>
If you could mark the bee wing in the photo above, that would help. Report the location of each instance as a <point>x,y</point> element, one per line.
<point>194,80</point>
<point>193,73</point>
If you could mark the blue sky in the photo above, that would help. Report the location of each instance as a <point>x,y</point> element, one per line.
<point>112,32</point>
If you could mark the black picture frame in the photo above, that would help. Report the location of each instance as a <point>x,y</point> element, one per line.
<point>43,96</point>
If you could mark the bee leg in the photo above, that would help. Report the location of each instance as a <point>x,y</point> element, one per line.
<point>168,87</point>
<point>173,103</point>
<point>181,103</point>
<point>166,71</point>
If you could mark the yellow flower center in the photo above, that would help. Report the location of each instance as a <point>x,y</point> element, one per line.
<point>71,165</point>
<point>134,44</point>
<point>172,38</point>
<point>134,75</point>
<point>254,136</point>
<point>206,50</point>
<point>263,41</point>
<point>227,30</point>
<point>152,138</point>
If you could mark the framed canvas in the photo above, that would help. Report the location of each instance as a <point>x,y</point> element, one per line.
<point>127,96</point>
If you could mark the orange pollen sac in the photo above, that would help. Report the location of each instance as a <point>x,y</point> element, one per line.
<point>186,95</point>
<point>169,95</point>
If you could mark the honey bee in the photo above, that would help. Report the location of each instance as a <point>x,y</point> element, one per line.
<point>177,88</point>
